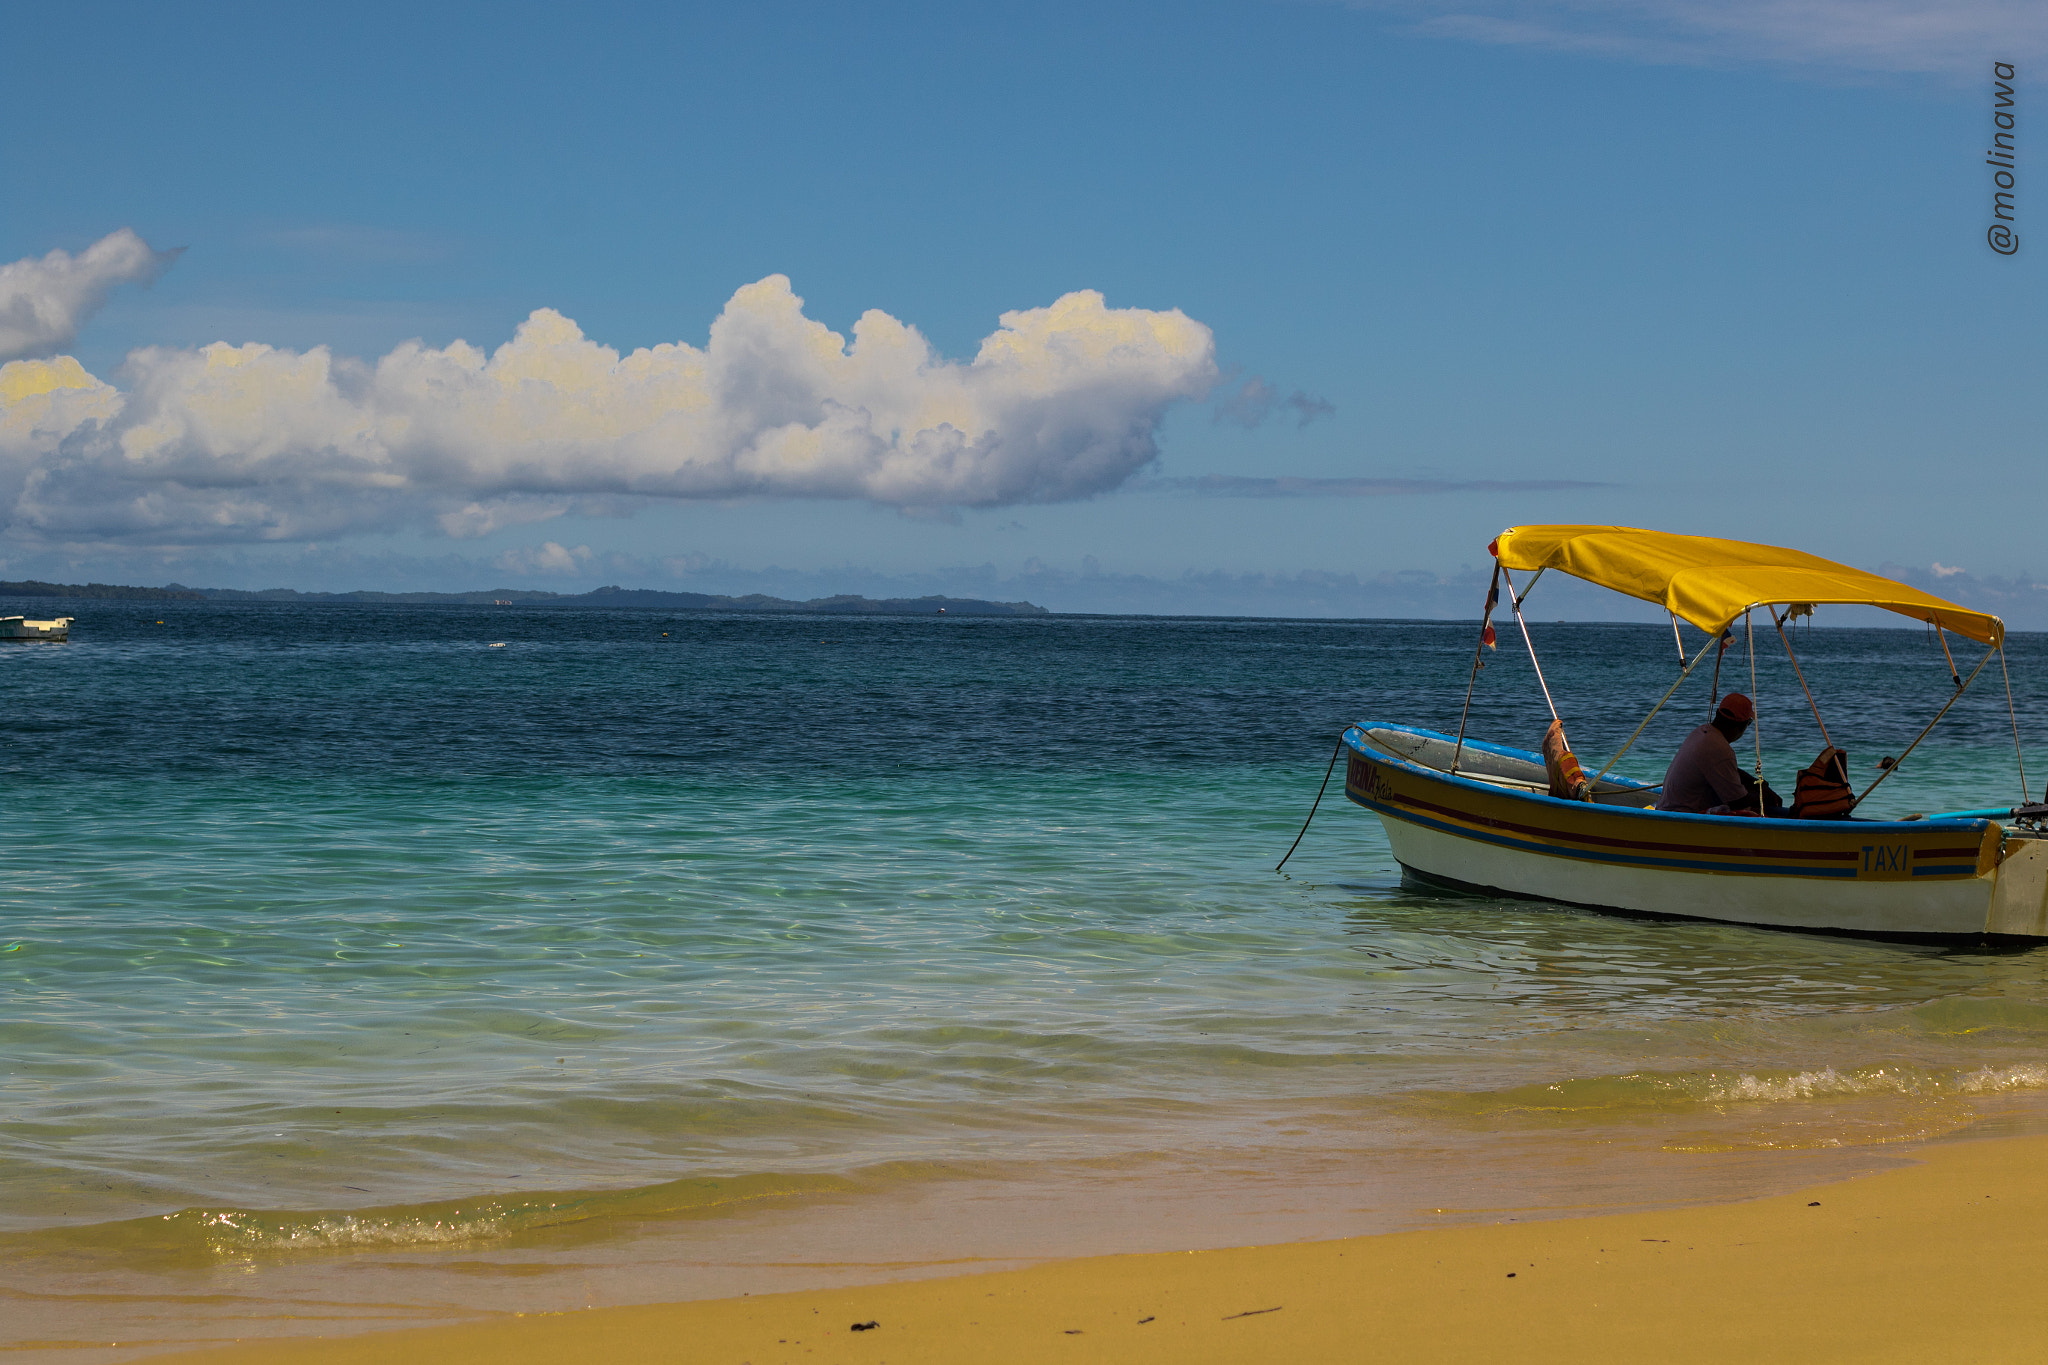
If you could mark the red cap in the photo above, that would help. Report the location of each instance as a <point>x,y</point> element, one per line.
<point>1740,707</point>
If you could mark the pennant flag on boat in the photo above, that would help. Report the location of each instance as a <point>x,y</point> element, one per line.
<point>1487,636</point>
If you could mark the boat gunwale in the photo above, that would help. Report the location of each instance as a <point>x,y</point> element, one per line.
<point>1489,747</point>
<point>1974,825</point>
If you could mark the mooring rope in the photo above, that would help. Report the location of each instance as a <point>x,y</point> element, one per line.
<point>1485,624</point>
<point>1312,809</point>
<point>1953,698</point>
<point>1654,710</point>
<point>1800,674</point>
<point>2024,797</point>
<point>1515,600</point>
<point>1756,731</point>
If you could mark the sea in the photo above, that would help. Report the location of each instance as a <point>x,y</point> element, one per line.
<point>372,965</point>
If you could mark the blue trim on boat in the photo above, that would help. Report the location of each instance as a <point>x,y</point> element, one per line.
<point>1957,826</point>
<point>1588,855</point>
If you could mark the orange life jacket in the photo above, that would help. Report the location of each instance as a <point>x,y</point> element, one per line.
<point>1822,792</point>
<point>1567,779</point>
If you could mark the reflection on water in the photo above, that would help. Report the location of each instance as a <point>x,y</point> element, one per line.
<point>1568,966</point>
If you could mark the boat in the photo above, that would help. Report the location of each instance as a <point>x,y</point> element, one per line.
<point>22,628</point>
<point>1466,815</point>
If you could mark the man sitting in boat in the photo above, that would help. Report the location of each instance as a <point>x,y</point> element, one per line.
<point>1706,779</point>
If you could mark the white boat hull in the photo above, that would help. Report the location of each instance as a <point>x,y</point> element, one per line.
<point>22,628</point>
<point>1492,827</point>
<point>1902,908</point>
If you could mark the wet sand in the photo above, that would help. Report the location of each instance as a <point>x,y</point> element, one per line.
<point>1937,1260</point>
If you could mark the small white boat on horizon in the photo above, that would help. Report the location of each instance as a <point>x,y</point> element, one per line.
<point>22,628</point>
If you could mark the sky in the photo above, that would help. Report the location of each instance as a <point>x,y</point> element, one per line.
<point>1237,308</point>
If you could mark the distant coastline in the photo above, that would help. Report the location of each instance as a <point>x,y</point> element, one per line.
<point>846,604</point>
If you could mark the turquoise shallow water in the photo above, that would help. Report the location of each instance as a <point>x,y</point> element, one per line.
<point>336,928</point>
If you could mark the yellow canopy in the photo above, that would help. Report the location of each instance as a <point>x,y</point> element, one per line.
<point>1710,582</point>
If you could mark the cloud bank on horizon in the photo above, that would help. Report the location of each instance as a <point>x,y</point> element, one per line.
<point>252,443</point>
<point>1935,37</point>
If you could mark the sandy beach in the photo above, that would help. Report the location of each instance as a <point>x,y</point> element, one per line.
<point>1935,1260</point>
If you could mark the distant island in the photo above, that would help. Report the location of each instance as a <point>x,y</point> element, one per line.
<point>105,591</point>
<point>846,604</point>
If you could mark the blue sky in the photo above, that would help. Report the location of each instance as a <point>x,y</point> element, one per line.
<point>1715,268</point>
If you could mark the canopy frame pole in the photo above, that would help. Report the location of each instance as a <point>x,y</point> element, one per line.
<point>1756,731</point>
<point>1516,600</point>
<point>1800,674</point>
<point>1486,619</point>
<point>1711,642</point>
<point>1942,636</point>
<point>1953,699</point>
<point>2015,715</point>
<point>1678,639</point>
<point>1722,641</point>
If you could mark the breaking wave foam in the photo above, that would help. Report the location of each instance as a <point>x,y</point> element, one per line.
<point>207,1234</point>
<point>1828,1082</point>
<point>1647,1093</point>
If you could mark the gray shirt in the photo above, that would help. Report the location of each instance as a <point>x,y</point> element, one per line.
<point>1704,774</point>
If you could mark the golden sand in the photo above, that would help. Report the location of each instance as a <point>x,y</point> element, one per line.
<point>1944,1260</point>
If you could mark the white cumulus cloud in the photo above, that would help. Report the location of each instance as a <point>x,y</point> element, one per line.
<point>44,301</point>
<point>254,443</point>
